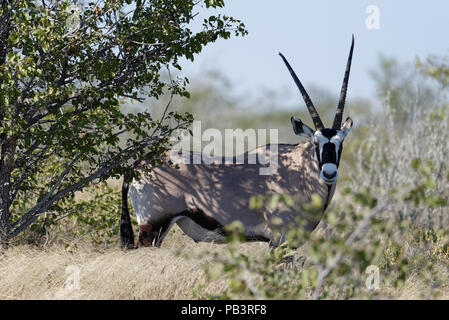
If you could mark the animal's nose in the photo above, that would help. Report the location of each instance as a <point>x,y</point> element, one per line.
<point>329,175</point>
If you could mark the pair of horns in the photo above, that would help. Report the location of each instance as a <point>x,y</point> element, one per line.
<point>341,103</point>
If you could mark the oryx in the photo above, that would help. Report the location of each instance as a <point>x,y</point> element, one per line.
<point>203,198</point>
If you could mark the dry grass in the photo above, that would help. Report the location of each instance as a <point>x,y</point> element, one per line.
<point>173,271</point>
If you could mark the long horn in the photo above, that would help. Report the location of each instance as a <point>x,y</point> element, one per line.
<point>314,114</point>
<point>344,88</point>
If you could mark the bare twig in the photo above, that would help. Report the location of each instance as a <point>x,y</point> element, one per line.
<point>324,272</point>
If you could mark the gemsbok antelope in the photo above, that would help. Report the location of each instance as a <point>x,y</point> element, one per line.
<point>204,198</point>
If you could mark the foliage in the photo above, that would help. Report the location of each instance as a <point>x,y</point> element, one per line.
<point>66,69</point>
<point>390,218</point>
<point>437,68</point>
<point>93,215</point>
<point>404,89</point>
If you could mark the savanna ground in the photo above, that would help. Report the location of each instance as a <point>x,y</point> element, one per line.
<point>390,212</point>
<point>34,273</point>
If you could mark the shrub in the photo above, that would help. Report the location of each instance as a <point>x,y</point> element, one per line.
<point>389,217</point>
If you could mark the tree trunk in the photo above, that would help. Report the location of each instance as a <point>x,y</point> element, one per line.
<point>4,172</point>
<point>6,166</point>
<point>4,31</point>
<point>5,201</point>
<point>4,212</point>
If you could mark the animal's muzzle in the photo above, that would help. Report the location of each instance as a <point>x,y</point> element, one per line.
<point>329,173</point>
<point>329,176</point>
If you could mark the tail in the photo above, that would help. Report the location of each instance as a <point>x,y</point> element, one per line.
<point>126,228</point>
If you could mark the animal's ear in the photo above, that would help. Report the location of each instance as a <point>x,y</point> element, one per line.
<point>346,127</point>
<point>301,129</point>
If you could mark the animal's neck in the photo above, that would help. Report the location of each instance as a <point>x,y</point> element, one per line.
<point>330,194</point>
<point>330,188</point>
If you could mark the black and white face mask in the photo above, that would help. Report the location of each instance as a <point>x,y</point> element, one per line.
<point>328,146</point>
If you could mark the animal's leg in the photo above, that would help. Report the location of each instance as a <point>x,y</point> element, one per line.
<point>152,234</point>
<point>146,235</point>
<point>126,229</point>
<point>162,232</point>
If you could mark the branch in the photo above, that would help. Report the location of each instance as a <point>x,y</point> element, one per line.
<point>53,188</point>
<point>44,204</point>
<point>26,171</point>
<point>323,273</point>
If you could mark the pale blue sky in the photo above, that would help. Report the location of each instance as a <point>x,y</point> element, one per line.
<point>315,37</point>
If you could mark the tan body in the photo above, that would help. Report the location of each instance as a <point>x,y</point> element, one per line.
<point>220,194</point>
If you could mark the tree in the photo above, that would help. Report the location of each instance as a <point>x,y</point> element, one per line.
<point>404,88</point>
<point>66,68</point>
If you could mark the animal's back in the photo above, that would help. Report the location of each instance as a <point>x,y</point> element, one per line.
<point>222,191</point>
